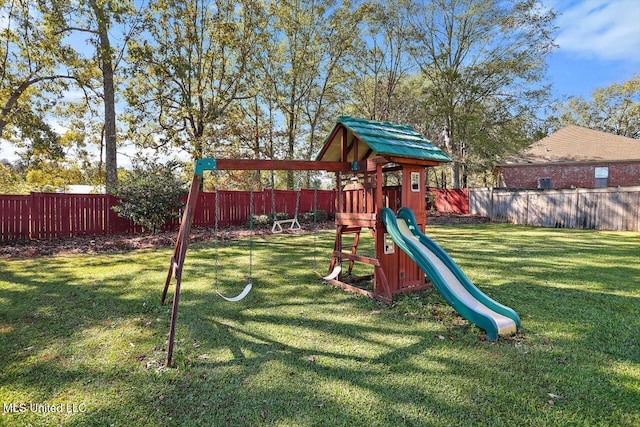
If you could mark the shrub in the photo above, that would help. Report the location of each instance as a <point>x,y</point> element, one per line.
<point>150,195</point>
<point>266,220</point>
<point>308,217</point>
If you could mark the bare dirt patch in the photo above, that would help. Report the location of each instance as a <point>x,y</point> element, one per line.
<point>163,239</point>
<point>125,242</point>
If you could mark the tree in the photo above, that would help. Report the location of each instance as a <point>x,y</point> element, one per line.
<point>11,182</point>
<point>36,68</point>
<point>96,18</point>
<point>53,176</point>
<point>191,64</point>
<point>330,90</point>
<point>104,13</point>
<point>383,58</point>
<point>150,195</point>
<point>485,61</point>
<point>613,109</point>
<point>304,66</point>
<point>291,63</point>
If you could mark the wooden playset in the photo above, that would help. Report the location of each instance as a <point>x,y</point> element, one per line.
<point>361,153</point>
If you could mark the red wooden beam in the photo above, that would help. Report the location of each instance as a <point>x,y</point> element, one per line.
<point>177,260</point>
<point>259,164</point>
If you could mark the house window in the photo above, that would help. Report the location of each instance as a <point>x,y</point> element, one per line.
<point>601,177</point>
<point>544,183</point>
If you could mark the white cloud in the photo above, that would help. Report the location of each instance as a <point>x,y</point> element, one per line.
<point>598,29</point>
<point>7,151</point>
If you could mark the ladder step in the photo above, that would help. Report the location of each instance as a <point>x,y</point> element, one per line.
<point>356,230</point>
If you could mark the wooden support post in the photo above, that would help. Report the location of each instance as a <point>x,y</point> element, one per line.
<point>177,260</point>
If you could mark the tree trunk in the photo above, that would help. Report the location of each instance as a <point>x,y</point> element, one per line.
<point>455,174</point>
<point>110,140</point>
<point>451,148</point>
<point>106,64</point>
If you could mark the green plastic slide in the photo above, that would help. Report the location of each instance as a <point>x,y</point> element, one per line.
<point>455,287</point>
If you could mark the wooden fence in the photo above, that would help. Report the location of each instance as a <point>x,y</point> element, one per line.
<point>449,200</point>
<point>50,215</point>
<point>597,208</point>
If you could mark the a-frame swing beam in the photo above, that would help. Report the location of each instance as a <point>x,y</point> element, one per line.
<point>260,164</point>
<point>177,259</point>
<point>182,241</point>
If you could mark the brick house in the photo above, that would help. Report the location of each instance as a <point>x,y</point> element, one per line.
<point>573,157</point>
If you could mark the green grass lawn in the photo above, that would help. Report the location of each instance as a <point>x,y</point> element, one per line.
<point>86,334</point>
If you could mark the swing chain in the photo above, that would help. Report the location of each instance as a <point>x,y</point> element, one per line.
<point>215,238</point>
<point>273,196</point>
<point>251,214</point>
<point>248,287</point>
<point>315,226</point>
<point>295,214</point>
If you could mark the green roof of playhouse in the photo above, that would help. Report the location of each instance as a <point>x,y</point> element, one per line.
<point>378,139</point>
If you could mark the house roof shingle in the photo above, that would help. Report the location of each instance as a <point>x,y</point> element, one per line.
<point>578,144</point>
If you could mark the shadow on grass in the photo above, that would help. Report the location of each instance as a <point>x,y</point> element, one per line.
<point>70,327</point>
<point>295,352</point>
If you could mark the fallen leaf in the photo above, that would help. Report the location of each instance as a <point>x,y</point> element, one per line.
<point>263,415</point>
<point>482,337</point>
<point>546,340</point>
<point>550,402</point>
<point>440,337</point>
<point>312,359</point>
<point>142,357</point>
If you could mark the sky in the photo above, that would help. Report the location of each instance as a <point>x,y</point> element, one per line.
<point>599,44</point>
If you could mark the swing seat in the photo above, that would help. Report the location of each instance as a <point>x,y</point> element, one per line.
<point>241,296</point>
<point>334,274</point>
<point>277,225</point>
